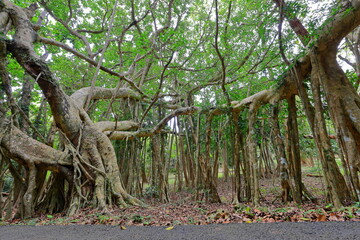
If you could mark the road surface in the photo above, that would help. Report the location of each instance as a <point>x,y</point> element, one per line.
<point>308,231</point>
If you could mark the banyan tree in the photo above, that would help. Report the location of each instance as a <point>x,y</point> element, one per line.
<point>91,90</point>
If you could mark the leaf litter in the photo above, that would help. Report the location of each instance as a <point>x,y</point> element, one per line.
<point>184,210</point>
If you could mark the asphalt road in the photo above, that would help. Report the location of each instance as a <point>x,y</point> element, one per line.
<point>308,231</point>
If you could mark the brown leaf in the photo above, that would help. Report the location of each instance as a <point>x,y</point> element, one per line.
<point>217,216</point>
<point>294,218</point>
<point>220,214</point>
<point>321,218</point>
<point>333,217</point>
<point>245,219</point>
<point>257,211</point>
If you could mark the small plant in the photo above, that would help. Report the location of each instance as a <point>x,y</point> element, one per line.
<point>8,181</point>
<point>237,207</point>
<point>60,220</point>
<point>176,222</point>
<point>201,210</point>
<point>223,199</point>
<point>3,223</point>
<point>137,219</point>
<point>329,207</point>
<point>350,212</point>
<point>151,191</point>
<point>191,220</point>
<point>103,218</point>
<point>32,221</point>
<point>242,208</point>
<point>281,210</point>
<point>147,220</point>
<point>318,211</point>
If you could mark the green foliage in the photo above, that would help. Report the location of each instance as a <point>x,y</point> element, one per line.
<point>137,218</point>
<point>8,180</point>
<point>151,191</point>
<point>103,218</point>
<point>352,76</point>
<point>140,49</point>
<point>357,205</point>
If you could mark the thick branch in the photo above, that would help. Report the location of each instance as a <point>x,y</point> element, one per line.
<point>343,23</point>
<point>116,126</point>
<point>118,135</point>
<point>81,95</point>
<point>24,149</point>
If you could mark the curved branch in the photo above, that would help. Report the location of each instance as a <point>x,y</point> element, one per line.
<point>81,95</point>
<point>342,24</point>
<point>24,149</point>
<point>116,126</point>
<point>118,135</point>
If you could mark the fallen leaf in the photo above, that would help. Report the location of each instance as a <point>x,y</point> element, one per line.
<point>122,228</point>
<point>333,217</point>
<point>169,228</point>
<point>245,219</point>
<point>294,218</point>
<point>257,211</point>
<point>321,218</point>
<point>219,214</point>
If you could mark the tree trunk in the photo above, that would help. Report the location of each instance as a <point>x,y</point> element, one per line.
<point>211,194</point>
<point>294,149</point>
<point>281,155</point>
<point>236,159</point>
<point>252,155</point>
<point>344,107</point>
<point>158,164</point>
<point>181,149</point>
<point>88,145</point>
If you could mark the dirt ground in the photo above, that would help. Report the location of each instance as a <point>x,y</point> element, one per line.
<point>184,210</point>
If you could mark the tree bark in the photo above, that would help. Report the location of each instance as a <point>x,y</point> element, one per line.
<point>94,147</point>
<point>282,162</point>
<point>294,149</point>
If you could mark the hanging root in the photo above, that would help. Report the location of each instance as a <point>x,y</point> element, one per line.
<point>29,194</point>
<point>95,161</point>
<point>95,164</point>
<point>108,157</point>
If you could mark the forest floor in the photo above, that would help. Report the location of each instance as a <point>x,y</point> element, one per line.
<point>183,210</point>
